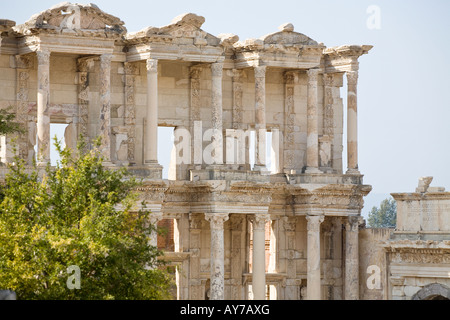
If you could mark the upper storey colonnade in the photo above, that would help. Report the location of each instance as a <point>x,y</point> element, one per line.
<point>93,36</point>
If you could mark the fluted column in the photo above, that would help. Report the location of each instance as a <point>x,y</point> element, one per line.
<point>151,128</point>
<point>352,123</point>
<point>216,103</point>
<point>352,258</point>
<point>313,290</point>
<point>259,256</point>
<point>217,254</point>
<point>105,105</point>
<point>312,140</point>
<point>260,117</point>
<point>43,116</point>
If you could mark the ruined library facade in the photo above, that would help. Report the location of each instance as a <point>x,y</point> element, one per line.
<point>258,201</point>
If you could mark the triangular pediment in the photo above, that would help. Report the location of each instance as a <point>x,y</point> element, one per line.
<point>186,26</point>
<point>75,17</point>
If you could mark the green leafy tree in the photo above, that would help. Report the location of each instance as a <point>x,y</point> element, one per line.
<point>77,214</point>
<point>7,123</point>
<point>385,216</point>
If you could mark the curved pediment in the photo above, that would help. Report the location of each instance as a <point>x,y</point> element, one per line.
<point>72,17</point>
<point>287,36</point>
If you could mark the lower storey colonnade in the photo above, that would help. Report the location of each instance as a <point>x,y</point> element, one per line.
<point>258,256</point>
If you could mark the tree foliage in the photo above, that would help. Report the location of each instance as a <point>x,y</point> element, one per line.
<point>78,213</point>
<point>7,123</point>
<point>385,216</point>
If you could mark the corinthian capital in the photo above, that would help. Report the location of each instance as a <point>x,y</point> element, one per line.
<point>155,217</point>
<point>217,69</point>
<point>260,71</point>
<point>353,223</point>
<point>352,77</point>
<point>152,65</point>
<point>216,220</point>
<point>43,57</point>
<point>312,75</point>
<point>259,221</point>
<point>314,223</point>
<point>328,79</point>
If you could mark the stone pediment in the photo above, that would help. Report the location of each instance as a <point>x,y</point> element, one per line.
<point>75,18</point>
<point>183,27</point>
<point>288,37</point>
<point>284,40</point>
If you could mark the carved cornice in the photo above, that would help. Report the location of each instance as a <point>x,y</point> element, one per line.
<point>416,246</point>
<point>347,50</point>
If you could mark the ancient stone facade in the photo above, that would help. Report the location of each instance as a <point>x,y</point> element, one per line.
<point>240,231</point>
<point>412,261</point>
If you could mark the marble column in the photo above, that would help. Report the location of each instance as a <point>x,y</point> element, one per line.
<point>259,256</point>
<point>352,258</point>
<point>260,118</point>
<point>43,115</point>
<point>151,128</point>
<point>352,123</point>
<point>217,255</point>
<point>313,290</point>
<point>216,103</point>
<point>312,140</point>
<point>105,105</point>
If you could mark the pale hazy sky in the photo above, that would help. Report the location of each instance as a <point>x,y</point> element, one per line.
<point>404,81</point>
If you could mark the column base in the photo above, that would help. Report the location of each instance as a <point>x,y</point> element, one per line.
<point>353,171</point>
<point>149,171</point>
<point>108,163</point>
<point>312,170</point>
<point>260,168</point>
<point>43,164</point>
